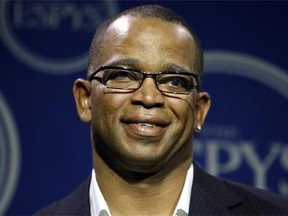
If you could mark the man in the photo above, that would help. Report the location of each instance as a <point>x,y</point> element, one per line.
<point>143,101</point>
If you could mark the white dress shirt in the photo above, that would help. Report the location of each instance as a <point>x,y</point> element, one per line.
<point>99,207</point>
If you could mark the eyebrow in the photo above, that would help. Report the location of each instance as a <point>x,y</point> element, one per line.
<point>175,67</point>
<point>129,62</point>
<point>135,64</point>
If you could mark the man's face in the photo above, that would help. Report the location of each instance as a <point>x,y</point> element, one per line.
<point>143,130</point>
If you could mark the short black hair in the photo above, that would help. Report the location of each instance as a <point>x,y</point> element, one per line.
<point>146,11</point>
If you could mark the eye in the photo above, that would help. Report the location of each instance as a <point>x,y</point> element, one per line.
<point>178,81</point>
<point>116,75</point>
<point>175,83</point>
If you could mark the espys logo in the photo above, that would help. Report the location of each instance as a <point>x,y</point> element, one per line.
<point>44,34</point>
<point>247,134</point>
<point>9,155</point>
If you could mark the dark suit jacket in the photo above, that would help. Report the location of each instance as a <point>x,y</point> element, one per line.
<point>210,196</point>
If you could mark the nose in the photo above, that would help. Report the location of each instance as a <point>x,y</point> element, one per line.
<point>148,95</point>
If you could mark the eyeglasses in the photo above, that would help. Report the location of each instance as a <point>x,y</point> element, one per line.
<point>129,79</point>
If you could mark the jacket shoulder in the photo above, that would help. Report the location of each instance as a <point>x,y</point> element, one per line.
<point>257,200</point>
<point>76,203</point>
<point>216,196</point>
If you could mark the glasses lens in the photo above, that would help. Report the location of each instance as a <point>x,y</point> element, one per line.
<point>121,78</point>
<point>176,83</point>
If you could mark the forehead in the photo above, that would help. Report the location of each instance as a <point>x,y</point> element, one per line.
<point>152,42</point>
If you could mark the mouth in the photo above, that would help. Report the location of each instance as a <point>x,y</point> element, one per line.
<point>145,127</point>
<point>146,122</point>
<point>148,125</point>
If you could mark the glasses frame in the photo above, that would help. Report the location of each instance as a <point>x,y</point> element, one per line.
<point>145,74</point>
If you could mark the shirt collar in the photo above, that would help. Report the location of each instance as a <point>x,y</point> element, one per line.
<point>184,200</point>
<point>98,204</point>
<point>97,201</point>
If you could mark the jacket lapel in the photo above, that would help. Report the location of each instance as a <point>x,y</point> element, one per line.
<point>211,196</point>
<point>78,202</point>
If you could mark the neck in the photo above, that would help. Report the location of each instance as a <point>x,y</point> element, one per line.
<point>130,193</point>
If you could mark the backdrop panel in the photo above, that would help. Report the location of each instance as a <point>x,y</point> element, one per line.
<point>45,149</point>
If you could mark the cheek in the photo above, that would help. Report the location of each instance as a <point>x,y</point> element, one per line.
<point>183,109</point>
<point>106,105</point>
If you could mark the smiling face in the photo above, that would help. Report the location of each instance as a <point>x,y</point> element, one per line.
<point>143,130</point>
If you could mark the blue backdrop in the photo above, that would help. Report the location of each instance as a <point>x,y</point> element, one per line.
<point>45,149</point>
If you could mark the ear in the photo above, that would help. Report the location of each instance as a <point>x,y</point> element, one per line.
<point>202,107</point>
<point>82,93</point>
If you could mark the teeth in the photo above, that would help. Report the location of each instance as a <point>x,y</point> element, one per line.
<point>148,125</point>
